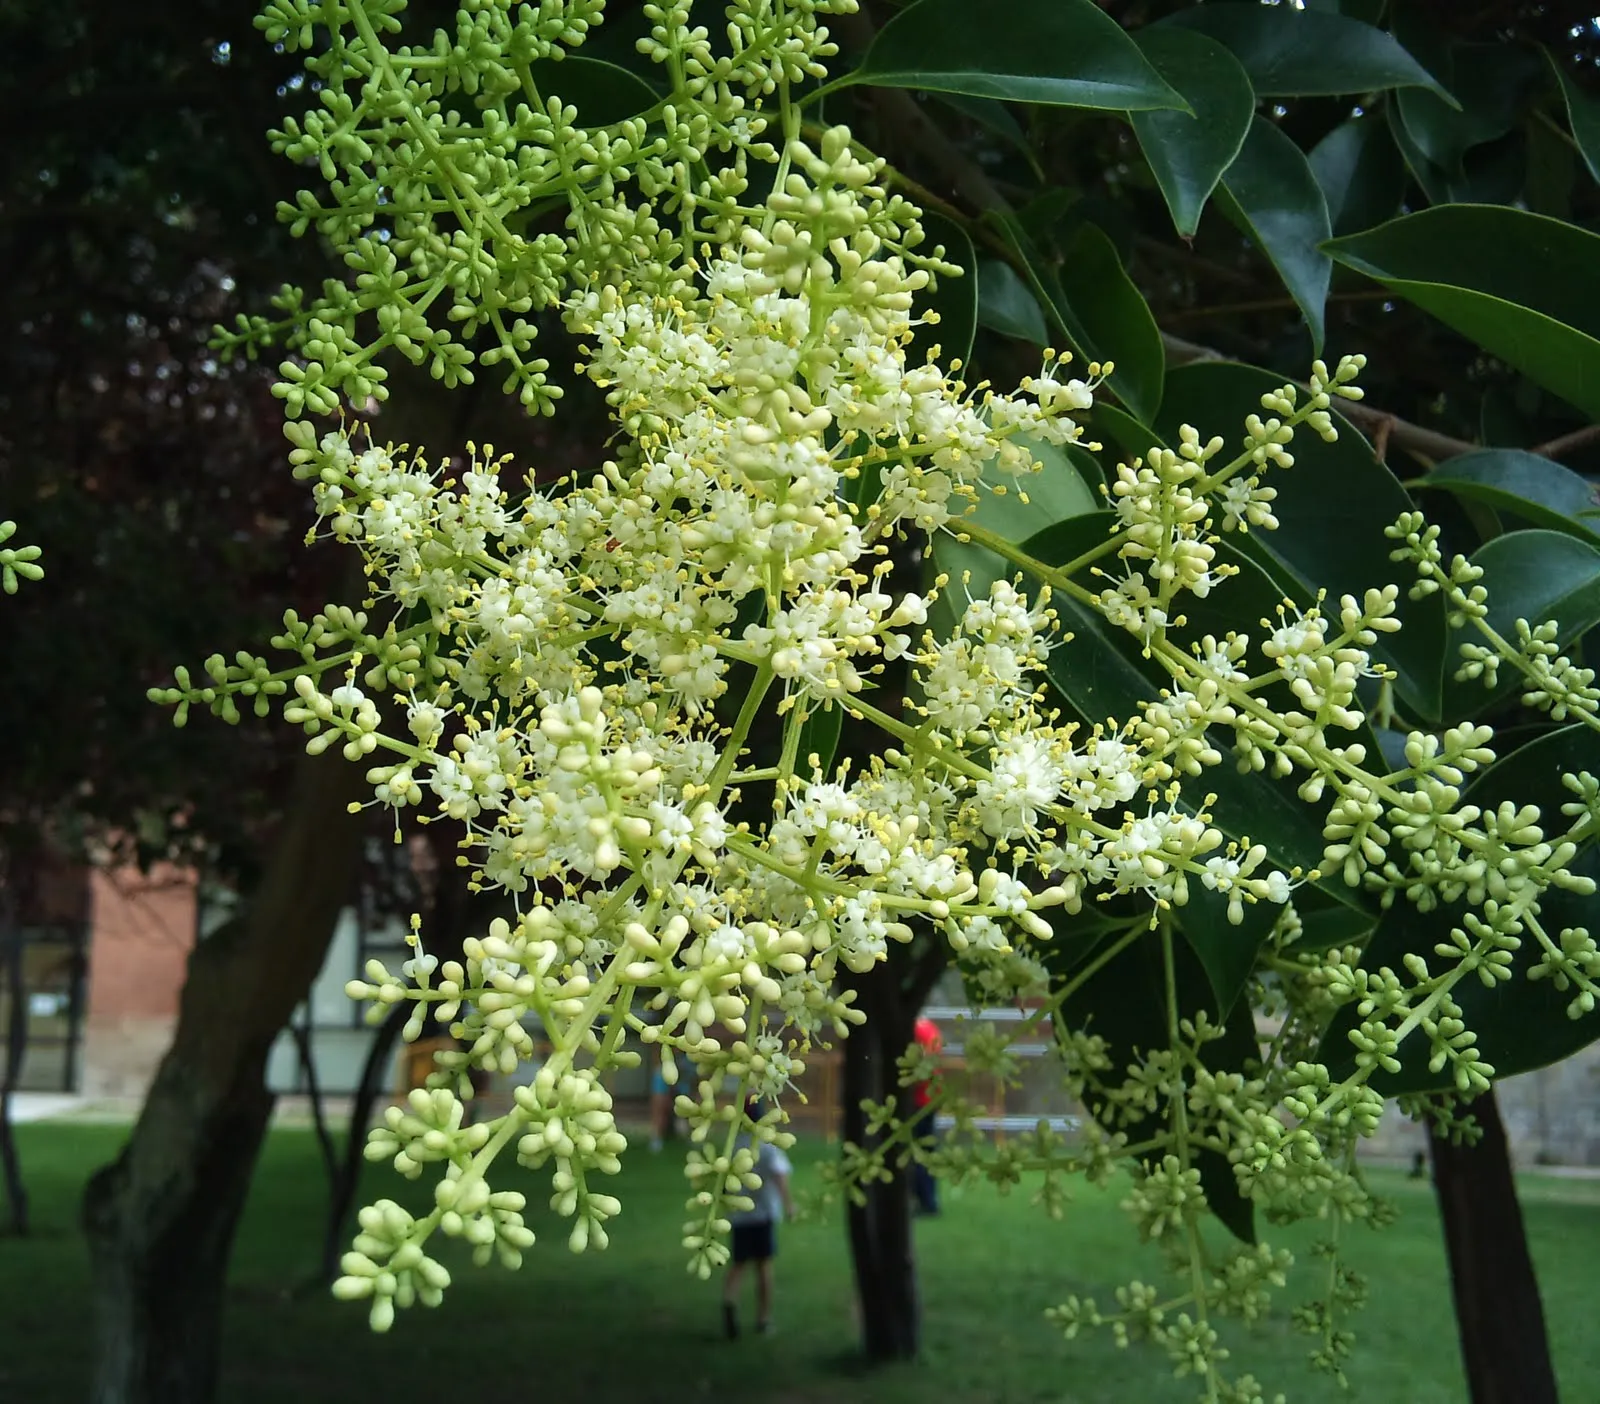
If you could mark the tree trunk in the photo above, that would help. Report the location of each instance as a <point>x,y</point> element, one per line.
<point>16,1051</point>
<point>882,1253</point>
<point>160,1220</point>
<point>345,1178</point>
<point>1498,1312</point>
<point>881,1250</point>
<point>319,1104</point>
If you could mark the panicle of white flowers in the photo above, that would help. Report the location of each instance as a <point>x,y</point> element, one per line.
<point>432,210</point>
<point>17,562</point>
<point>575,673</point>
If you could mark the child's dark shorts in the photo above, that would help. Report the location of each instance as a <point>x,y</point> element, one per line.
<point>754,1243</point>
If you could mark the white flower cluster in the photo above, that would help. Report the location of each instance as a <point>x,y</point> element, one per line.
<point>562,696</point>
<point>616,685</point>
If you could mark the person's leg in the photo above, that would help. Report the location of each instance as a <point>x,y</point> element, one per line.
<point>763,1294</point>
<point>730,1299</point>
<point>923,1185</point>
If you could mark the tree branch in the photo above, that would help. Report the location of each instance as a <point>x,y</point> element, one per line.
<point>1578,438</point>
<point>1385,428</point>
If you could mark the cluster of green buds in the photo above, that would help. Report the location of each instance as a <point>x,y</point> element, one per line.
<point>17,562</point>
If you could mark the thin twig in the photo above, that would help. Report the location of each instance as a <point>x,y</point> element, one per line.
<point>1565,443</point>
<point>1425,443</point>
<point>1385,428</point>
<point>1180,352</point>
<point>1380,440</point>
<point>1269,304</point>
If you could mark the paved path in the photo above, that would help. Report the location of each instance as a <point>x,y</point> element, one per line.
<point>43,1106</point>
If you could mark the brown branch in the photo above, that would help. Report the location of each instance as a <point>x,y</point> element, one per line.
<point>1389,429</point>
<point>1565,443</point>
<point>1385,428</point>
<point>1181,353</point>
<point>1269,304</point>
<point>1189,258</point>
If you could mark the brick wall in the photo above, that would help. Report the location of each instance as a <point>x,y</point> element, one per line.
<point>142,928</point>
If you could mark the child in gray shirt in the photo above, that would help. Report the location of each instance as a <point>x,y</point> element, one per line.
<point>755,1233</point>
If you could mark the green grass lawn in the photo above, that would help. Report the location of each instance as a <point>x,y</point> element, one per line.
<point>630,1325</point>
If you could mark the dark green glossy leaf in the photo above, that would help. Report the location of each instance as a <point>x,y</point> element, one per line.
<point>1124,435</point>
<point>1493,90</point>
<point>1047,211</point>
<point>1489,83</point>
<point>1392,743</point>
<point>1188,154</point>
<point>1536,489</point>
<point>603,93</point>
<point>996,119</point>
<point>1274,198</point>
<point>1306,53</point>
<point>1125,1003</point>
<point>1099,672</point>
<point>1114,322</point>
<point>1270,812</point>
<point>617,42</point>
<point>1491,175</point>
<point>1055,493</point>
<point>1069,53</point>
<point>1076,938</point>
<point>954,299</point>
<point>1552,172</point>
<point>1532,575</point>
<point>1495,173</point>
<point>1368,11</point>
<point>1111,324</point>
<point>1333,506</point>
<point>1521,1024</point>
<point>1006,305</point>
<point>1360,172</point>
<point>1583,116</point>
<point>1326,921</point>
<point>819,736</point>
<point>1226,952</point>
<point>1521,285</point>
<point>1435,184</point>
<point>1089,470</point>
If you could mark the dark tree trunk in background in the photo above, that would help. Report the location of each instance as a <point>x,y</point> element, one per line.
<point>319,1104</point>
<point>345,1176</point>
<point>880,1229</point>
<point>1498,1312</point>
<point>160,1220</point>
<point>16,1051</point>
<point>882,1253</point>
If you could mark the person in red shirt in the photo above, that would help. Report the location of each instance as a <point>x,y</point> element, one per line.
<point>923,1186</point>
